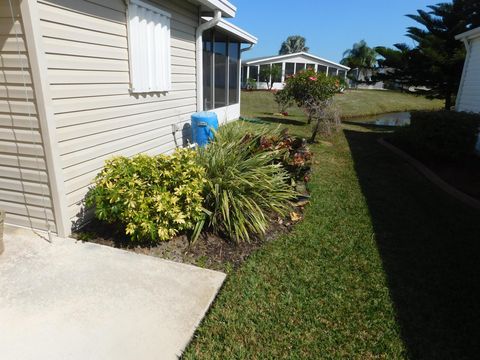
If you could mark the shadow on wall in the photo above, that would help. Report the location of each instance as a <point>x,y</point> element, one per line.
<point>430,249</point>
<point>187,135</point>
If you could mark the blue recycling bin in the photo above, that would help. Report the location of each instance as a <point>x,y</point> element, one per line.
<point>204,125</point>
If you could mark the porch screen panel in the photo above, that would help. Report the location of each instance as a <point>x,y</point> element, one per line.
<point>332,71</point>
<point>207,70</point>
<point>278,76</point>
<point>300,67</point>
<point>289,69</point>
<point>322,69</point>
<point>253,73</point>
<point>263,73</point>
<point>233,79</point>
<point>220,72</point>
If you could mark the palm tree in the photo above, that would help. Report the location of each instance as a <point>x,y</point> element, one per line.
<point>293,44</point>
<point>361,57</point>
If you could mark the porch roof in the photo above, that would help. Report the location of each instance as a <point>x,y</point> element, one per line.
<point>280,58</point>
<point>234,31</point>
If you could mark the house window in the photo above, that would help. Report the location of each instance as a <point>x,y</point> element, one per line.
<point>311,67</point>
<point>149,48</point>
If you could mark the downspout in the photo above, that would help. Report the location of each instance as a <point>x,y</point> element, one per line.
<point>249,47</point>
<point>199,47</point>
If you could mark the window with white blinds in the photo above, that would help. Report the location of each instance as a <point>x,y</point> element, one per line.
<point>149,47</point>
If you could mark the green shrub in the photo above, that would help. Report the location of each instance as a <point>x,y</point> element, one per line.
<point>444,134</point>
<point>244,186</point>
<point>152,197</point>
<point>308,86</point>
<point>283,100</point>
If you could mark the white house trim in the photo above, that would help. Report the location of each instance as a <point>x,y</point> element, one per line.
<point>227,8</point>
<point>287,56</point>
<point>234,30</point>
<point>33,37</point>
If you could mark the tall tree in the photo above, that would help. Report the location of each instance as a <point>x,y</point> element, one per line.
<point>394,65</point>
<point>438,57</point>
<point>293,44</point>
<point>361,57</point>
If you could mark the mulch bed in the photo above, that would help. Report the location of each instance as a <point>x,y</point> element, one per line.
<point>209,251</point>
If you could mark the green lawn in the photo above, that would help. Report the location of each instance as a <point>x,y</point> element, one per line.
<point>352,103</point>
<point>384,265</point>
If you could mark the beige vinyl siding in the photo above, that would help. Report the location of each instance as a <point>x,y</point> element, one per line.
<point>24,187</point>
<point>86,50</point>
<point>470,92</point>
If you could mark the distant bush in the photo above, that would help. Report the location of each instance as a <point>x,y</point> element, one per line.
<point>152,197</point>
<point>283,100</point>
<point>244,186</point>
<point>445,134</point>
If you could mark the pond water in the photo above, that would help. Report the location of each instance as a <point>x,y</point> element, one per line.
<point>391,119</point>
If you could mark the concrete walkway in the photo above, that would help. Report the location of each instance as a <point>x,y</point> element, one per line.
<point>73,300</point>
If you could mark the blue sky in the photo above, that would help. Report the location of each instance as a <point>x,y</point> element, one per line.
<point>330,26</point>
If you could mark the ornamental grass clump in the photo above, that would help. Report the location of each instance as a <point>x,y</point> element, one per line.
<point>152,197</point>
<point>244,185</point>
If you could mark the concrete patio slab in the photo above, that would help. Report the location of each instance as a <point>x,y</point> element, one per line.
<point>73,300</point>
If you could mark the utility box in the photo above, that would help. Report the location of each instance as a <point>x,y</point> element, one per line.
<point>2,221</point>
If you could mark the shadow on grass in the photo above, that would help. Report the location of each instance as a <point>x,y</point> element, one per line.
<point>430,248</point>
<point>373,127</point>
<point>282,120</point>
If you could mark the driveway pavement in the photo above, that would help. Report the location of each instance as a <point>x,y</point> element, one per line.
<point>74,300</point>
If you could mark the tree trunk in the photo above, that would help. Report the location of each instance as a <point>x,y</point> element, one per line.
<point>315,131</point>
<point>448,96</point>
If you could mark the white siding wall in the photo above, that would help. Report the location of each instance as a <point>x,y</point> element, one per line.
<point>24,188</point>
<point>96,117</point>
<point>470,92</point>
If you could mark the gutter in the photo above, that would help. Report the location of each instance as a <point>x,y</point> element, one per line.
<point>249,47</point>
<point>199,55</point>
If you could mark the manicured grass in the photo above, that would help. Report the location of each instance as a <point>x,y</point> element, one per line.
<point>372,102</point>
<point>351,103</point>
<point>384,265</point>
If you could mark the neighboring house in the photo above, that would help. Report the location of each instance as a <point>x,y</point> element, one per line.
<point>290,65</point>
<point>81,81</point>
<point>468,98</point>
<point>363,79</point>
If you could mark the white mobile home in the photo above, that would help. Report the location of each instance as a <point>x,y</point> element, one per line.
<point>82,80</point>
<point>468,98</point>
<point>290,64</point>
